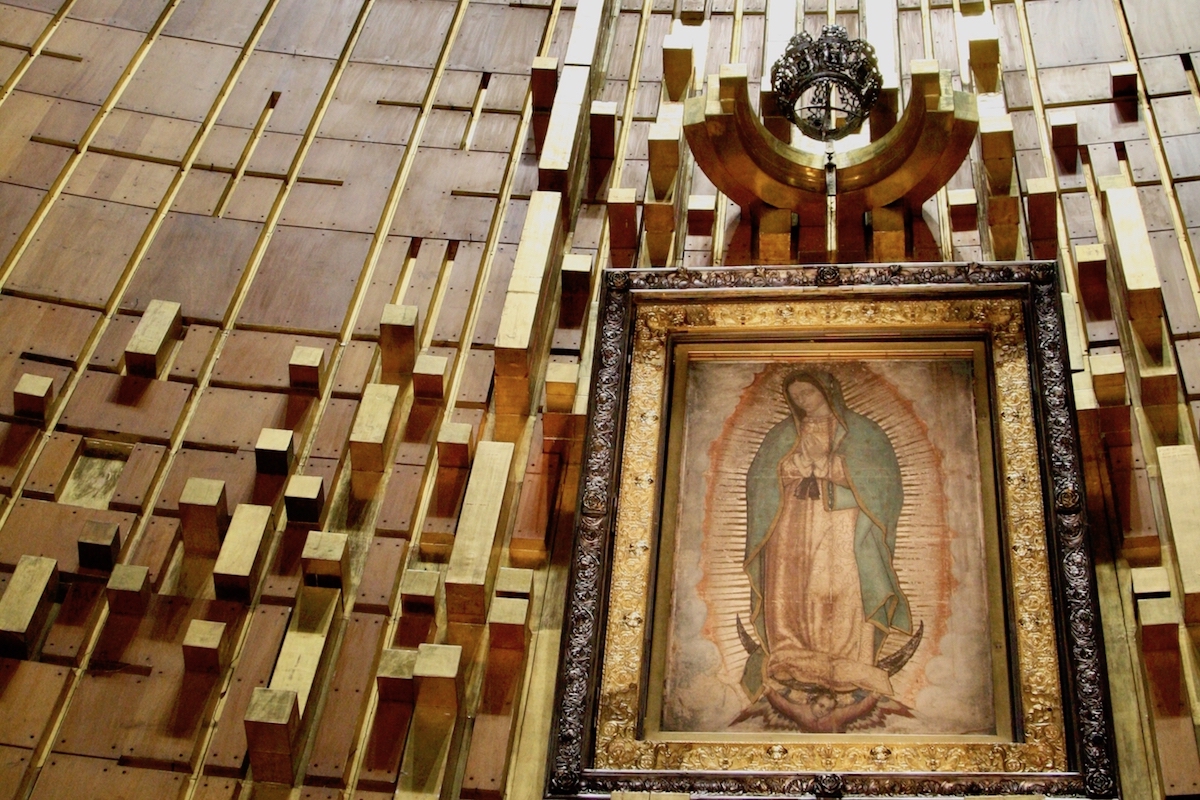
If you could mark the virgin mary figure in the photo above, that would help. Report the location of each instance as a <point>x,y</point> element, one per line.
<point>823,498</point>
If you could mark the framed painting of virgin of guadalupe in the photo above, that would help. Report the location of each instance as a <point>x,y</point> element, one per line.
<point>831,541</point>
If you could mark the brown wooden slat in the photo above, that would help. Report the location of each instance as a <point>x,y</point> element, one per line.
<point>157,546</point>
<point>381,575</point>
<point>36,527</point>
<point>336,737</point>
<point>137,477</point>
<point>110,351</point>
<point>258,360</point>
<point>382,288</point>
<point>73,627</point>
<point>231,419</point>
<point>193,353</point>
<point>30,696</point>
<point>46,330</point>
<point>14,763</point>
<point>49,473</point>
<point>227,749</point>
<point>16,445</point>
<point>354,370</point>
<point>399,502</point>
<point>334,430</point>
<point>128,407</point>
<point>63,775</point>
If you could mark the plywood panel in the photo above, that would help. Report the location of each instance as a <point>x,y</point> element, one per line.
<point>14,763</point>
<point>179,78</point>
<point>445,128</point>
<point>52,530</point>
<point>306,280</point>
<point>259,360</point>
<point>30,694</point>
<point>304,28</point>
<point>382,289</point>
<point>242,483</point>
<point>422,280</point>
<point>79,251</point>
<point>67,640</point>
<point>22,161</point>
<point>336,737</point>
<point>300,81</point>
<point>227,750</point>
<point>201,191</point>
<point>1094,36</point>
<point>16,445</point>
<point>457,295</point>
<point>495,132</point>
<point>156,547</point>
<point>121,180</point>
<point>105,52</point>
<point>126,407</point>
<point>487,322</point>
<point>357,113</point>
<point>215,21</point>
<point>230,419</point>
<point>144,134</point>
<point>334,430</point>
<point>133,487</point>
<point>430,206</point>
<point>17,204</point>
<point>1162,27</point>
<point>355,369</point>
<point>63,775</point>
<point>379,43</point>
<point>496,38</point>
<point>22,25</point>
<point>47,331</point>
<point>365,171</point>
<point>381,575</point>
<point>137,15</point>
<point>195,261</point>
<point>11,369</point>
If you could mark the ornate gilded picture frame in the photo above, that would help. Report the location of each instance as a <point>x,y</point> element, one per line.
<point>831,541</point>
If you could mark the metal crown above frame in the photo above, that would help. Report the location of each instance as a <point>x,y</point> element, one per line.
<point>827,86</point>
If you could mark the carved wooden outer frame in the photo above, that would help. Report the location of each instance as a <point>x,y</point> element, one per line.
<point>1090,766</point>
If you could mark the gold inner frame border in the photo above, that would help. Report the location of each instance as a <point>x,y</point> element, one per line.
<point>1042,748</point>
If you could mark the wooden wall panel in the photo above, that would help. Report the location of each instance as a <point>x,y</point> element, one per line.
<point>195,261</point>
<point>306,280</point>
<point>259,360</point>
<point>120,180</point>
<point>379,43</point>
<point>299,81</point>
<point>230,419</point>
<point>357,112</point>
<point>1094,35</point>
<point>365,171</point>
<point>454,209</point>
<point>1162,27</point>
<point>158,138</point>
<point>215,21</point>
<point>137,15</point>
<point>22,25</point>
<point>104,54</point>
<point>79,251</point>
<point>17,205</point>
<point>495,38</point>
<point>179,78</point>
<point>22,161</point>
<point>303,28</point>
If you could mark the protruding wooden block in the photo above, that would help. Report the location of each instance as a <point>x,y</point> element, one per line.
<point>701,214</point>
<point>1091,262</point>
<point>151,342</point>
<point>430,375</point>
<point>203,515</point>
<point>512,582</point>
<point>1138,271</point>
<point>418,603</point>
<point>371,433</point>
<point>306,368</point>
<point>307,643</point>
<point>1064,128</point>
<point>1108,376</point>
<point>398,339</point>
<point>326,555</point>
<point>206,646</point>
<point>128,589</point>
<point>1179,472</point>
<point>472,566</point>
<point>773,235</point>
<point>665,148</point>
<point>678,68</point>
<point>1123,79</point>
<point>998,148</point>
<point>25,605</point>
<point>99,545</point>
<point>543,82</point>
<point>456,444</point>
<point>274,451</point>
<point>562,380</point>
<point>304,498</point>
<point>983,49</point>
<point>1158,621</point>
<point>436,675</point>
<point>964,209</point>
<point>1042,198</point>
<point>394,676</point>
<point>239,564</point>
<point>603,124</point>
<point>1150,582</point>
<point>33,396</point>
<point>622,218</point>
<point>508,623</point>
<point>272,723</point>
